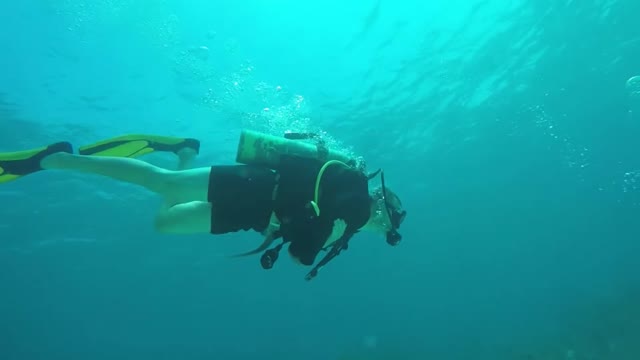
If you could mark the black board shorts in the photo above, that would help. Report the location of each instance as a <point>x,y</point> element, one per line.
<point>241,198</point>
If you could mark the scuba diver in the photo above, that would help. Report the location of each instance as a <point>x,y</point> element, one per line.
<point>312,198</point>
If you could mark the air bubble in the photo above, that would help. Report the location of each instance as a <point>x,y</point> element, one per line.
<point>633,87</point>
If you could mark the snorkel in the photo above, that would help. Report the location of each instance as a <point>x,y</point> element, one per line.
<point>396,217</point>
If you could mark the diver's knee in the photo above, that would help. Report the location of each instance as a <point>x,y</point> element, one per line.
<point>185,218</point>
<point>164,224</point>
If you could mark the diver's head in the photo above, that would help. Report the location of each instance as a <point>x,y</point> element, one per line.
<point>386,213</point>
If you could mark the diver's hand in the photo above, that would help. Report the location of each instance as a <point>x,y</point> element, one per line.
<point>339,227</point>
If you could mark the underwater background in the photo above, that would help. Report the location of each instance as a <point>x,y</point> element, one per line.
<point>510,129</point>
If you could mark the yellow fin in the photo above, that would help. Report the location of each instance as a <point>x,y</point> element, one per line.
<point>138,145</point>
<point>20,163</point>
<point>20,155</point>
<point>7,177</point>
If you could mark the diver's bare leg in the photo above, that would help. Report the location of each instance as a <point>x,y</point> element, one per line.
<point>185,158</point>
<point>187,218</point>
<point>180,186</point>
<point>186,210</point>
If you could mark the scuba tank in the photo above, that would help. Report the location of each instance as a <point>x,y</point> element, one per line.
<point>255,148</point>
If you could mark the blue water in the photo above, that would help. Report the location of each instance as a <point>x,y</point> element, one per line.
<point>505,126</point>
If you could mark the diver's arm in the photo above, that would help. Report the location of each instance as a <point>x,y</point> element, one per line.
<point>339,227</point>
<point>307,236</point>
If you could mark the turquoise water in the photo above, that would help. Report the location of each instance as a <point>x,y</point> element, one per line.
<point>507,127</point>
